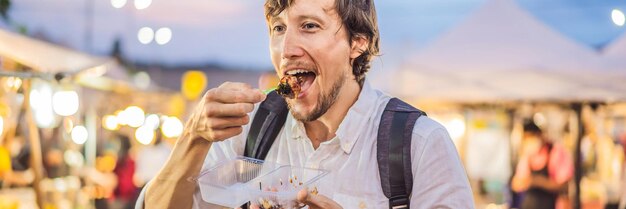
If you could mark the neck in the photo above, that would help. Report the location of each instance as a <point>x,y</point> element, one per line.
<point>324,128</point>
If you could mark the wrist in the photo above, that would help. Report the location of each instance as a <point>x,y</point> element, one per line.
<point>186,158</point>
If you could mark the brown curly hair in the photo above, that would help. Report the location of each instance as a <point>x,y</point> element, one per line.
<point>359,18</point>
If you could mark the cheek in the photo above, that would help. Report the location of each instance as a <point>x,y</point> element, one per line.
<point>275,54</point>
<point>334,56</point>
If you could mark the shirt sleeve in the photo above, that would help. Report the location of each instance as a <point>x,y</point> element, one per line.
<point>439,179</point>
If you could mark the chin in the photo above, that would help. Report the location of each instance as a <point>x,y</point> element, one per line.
<point>300,111</point>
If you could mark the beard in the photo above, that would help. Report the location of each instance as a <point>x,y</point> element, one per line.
<point>324,102</point>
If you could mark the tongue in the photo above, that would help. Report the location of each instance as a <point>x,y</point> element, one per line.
<point>306,80</point>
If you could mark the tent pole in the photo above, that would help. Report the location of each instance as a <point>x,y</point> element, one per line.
<point>577,107</point>
<point>35,144</point>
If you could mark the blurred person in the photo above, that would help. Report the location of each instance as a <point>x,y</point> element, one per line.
<point>543,171</point>
<point>150,159</point>
<point>126,192</point>
<point>19,173</point>
<point>334,121</point>
<point>101,180</point>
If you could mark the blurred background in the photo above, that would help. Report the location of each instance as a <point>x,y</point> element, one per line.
<point>94,93</point>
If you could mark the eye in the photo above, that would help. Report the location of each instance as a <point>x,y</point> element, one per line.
<point>310,26</point>
<point>278,28</point>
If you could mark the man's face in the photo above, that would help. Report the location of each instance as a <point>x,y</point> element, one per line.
<point>308,38</point>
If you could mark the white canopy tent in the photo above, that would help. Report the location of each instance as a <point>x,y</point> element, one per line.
<point>46,60</point>
<point>45,57</point>
<point>502,53</point>
<point>615,54</point>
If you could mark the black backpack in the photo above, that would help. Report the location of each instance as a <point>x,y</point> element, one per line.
<point>393,144</point>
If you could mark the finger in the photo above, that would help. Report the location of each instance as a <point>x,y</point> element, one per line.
<point>235,96</point>
<point>223,134</point>
<point>226,122</point>
<point>235,86</point>
<point>316,201</point>
<point>228,110</point>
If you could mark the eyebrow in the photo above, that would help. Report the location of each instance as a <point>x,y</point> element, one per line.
<point>277,18</point>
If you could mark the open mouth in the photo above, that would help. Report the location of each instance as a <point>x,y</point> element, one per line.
<point>295,83</point>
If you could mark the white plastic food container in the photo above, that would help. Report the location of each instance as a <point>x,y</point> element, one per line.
<point>225,183</point>
<point>279,188</point>
<point>235,182</point>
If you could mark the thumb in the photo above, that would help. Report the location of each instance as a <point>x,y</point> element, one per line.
<point>315,201</point>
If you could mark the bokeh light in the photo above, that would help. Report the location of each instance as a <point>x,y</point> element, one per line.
<point>133,116</point>
<point>144,135</point>
<point>618,17</point>
<point>65,103</point>
<point>118,3</point>
<point>172,127</point>
<point>142,4</point>
<point>79,134</point>
<point>41,103</point>
<point>163,36</point>
<point>109,122</point>
<point>152,121</point>
<point>142,80</point>
<point>145,35</point>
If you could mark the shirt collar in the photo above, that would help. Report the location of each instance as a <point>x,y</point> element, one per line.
<point>353,124</point>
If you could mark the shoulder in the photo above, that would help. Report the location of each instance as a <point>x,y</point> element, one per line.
<point>425,127</point>
<point>430,139</point>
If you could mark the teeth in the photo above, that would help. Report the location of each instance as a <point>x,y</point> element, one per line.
<point>293,72</point>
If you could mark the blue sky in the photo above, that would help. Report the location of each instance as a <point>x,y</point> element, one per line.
<point>233,32</point>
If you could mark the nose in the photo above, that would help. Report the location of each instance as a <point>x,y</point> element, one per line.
<point>292,44</point>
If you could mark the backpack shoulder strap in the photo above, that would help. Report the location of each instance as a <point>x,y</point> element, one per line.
<point>394,151</point>
<point>268,120</point>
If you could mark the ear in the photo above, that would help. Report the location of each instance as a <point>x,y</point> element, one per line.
<point>359,46</point>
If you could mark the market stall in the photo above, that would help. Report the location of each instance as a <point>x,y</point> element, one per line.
<point>501,66</point>
<point>46,78</point>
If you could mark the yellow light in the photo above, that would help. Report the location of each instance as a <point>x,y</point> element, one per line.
<point>109,122</point>
<point>133,116</point>
<point>1,125</point>
<point>618,17</point>
<point>144,135</point>
<point>121,117</point>
<point>79,134</point>
<point>65,103</point>
<point>193,85</point>
<point>172,127</point>
<point>68,125</point>
<point>13,83</point>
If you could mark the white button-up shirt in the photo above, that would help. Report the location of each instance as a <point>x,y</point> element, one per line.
<point>439,180</point>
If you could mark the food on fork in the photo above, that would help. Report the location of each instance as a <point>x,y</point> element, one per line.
<point>289,86</point>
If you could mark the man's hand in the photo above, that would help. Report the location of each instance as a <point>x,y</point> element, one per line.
<point>311,199</point>
<point>223,111</point>
<point>220,115</point>
<point>316,201</point>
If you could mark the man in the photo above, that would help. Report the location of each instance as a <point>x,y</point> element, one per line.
<point>332,124</point>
